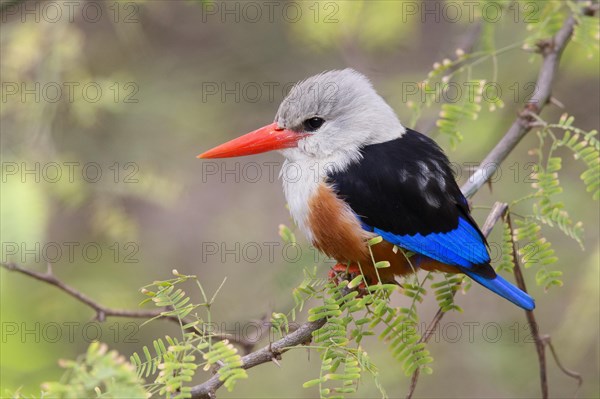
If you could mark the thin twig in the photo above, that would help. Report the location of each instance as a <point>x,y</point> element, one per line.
<point>573,374</point>
<point>102,312</point>
<point>541,341</point>
<point>533,326</point>
<point>497,212</point>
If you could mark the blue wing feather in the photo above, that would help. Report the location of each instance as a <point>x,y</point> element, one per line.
<point>462,246</point>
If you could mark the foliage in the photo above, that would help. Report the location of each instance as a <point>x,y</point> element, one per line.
<point>99,373</point>
<point>356,310</point>
<point>585,147</point>
<point>543,21</point>
<point>172,361</point>
<point>175,365</point>
<point>587,32</point>
<point>226,356</point>
<point>547,209</point>
<point>445,290</point>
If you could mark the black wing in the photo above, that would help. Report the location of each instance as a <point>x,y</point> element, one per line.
<point>404,186</point>
<point>405,190</point>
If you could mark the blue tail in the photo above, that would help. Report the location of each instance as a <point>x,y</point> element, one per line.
<point>505,289</point>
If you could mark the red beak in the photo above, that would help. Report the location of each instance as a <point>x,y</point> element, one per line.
<point>267,138</point>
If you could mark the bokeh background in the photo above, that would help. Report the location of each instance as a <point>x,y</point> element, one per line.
<point>178,77</point>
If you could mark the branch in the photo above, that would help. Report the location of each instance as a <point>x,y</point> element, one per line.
<point>551,51</point>
<point>548,342</point>
<point>498,211</point>
<point>271,352</point>
<point>533,327</point>
<point>102,312</point>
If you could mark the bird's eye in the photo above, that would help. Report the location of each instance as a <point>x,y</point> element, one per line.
<point>312,124</point>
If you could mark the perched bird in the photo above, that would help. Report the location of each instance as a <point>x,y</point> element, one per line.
<point>363,175</point>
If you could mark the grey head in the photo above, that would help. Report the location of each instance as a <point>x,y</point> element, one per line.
<point>341,112</point>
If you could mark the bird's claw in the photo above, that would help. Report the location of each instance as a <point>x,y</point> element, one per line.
<point>341,272</point>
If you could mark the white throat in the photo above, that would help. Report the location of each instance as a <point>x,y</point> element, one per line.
<point>301,177</point>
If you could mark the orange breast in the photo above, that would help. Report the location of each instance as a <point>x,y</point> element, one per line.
<point>338,233</point>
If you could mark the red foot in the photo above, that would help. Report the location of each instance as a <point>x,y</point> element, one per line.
<point>341,272</point>
<point>342,268</point>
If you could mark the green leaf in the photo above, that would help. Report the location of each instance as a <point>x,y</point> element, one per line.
<point>382,264</point>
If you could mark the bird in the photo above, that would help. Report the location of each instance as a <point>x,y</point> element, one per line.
<point>361,174</point>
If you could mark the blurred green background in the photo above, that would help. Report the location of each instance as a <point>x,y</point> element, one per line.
<point>135,90</point>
